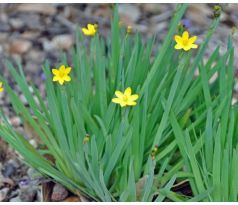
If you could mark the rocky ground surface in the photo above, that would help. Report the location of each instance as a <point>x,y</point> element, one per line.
<point>33,33</point>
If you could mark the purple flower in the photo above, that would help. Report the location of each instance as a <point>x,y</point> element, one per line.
<point>186,23</point>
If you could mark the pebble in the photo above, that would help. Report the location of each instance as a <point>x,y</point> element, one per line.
<point>64,41</point>
<point>16,199</point>
<point>199,14</point>
<point>36,56</point>
<point>16,23</point>
<point>129,12</point>
<point>59,193</point>
<point>46,9</point>
<point>3,193</point>
<point>23,99</point>
<point>20,46</point>
<point>9,170</point>
<point>15,121</point>
<point>28,194</point>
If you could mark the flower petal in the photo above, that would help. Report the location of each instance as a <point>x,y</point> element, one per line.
<point>119,94</point>
<point>67,70</point>
<point>194,46</point>
<point>131,103</point>
<point>185,35</point>
<point>178,46</point>
<point>133,97</point>
<point>67,78</point>
<point>1,89</point>
<point>55,71</point>
<point>128,92</point>
<point>187,48</point>
<point>61,81</point>
<point>91,27</point>
<point>116,100</point>
<point>123,104</point>
<point>55,78</point>
<point>192,39</point>
<point>62,68</point>
<point>86,31</point>
<point>178,39</point>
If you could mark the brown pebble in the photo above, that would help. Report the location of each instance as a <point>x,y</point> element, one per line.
<point>59,193</point>
<point>19,46</point>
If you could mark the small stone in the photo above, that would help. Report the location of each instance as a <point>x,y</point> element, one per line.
<point>47,45</point>
<point>72,199</point>
<point>28,193</point>
<point>199,13</point>
<point>14,162</point>
<point>15,199</point>
<point>141,28</point>
<point>152,8</point>
<point>32,67</point>
<point>16,23</point>
<point>64,41</point>
<point>9,170</point>
<point>3,37</point>
<point>33,143</point>
<point>45,9</point>
<point>130,12</point>
<point>23,99</point>
<point>36,56</point>
<point>15,121</point>
<point>59,193</point>
<point>3,193</point>
<point>20,46</point>
<point>7,181</point>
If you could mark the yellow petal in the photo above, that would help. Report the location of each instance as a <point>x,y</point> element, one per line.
<point>123,104</point>
<point>194,46</point>
<point>95,26</point>
<point>178,46</point>
<point>67,70</point>
<point>128,92</point>
<point>192,39</point>
<point>178,39</point>
<point>119,94</point>
<point>91,27</point>
<point>131,103</point>
<point>187,48</point>
<point>133,97</point>
<point>55,78</point>
<point>185,35</point>
<point>116,100</point>
<point>55,71</point>
<point>61,81</point>
<point>62,68</point>
<point>67,78</point>
<point>86,31</point>
<point>1,89</point>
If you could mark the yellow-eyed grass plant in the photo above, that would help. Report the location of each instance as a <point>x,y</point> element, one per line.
<point>109,152</point>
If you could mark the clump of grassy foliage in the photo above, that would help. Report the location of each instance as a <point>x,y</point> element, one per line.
<point>182,128</point>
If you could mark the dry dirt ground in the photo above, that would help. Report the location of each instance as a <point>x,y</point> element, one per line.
<point>33,33</point>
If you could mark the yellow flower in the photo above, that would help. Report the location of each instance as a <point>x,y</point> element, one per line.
<point>1,87</point>
<point>129,29</point>
<point>184,42</point>
<point>61,74</point>
<point>91,30</point>
<point>125,99</point>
